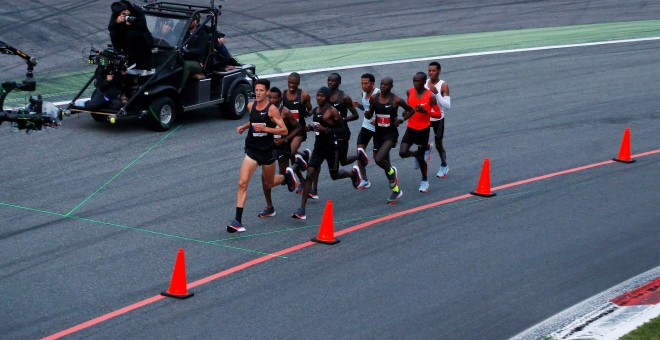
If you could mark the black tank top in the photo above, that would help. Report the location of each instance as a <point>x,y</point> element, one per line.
<point>296,106</point>
<point>343,110</point>
<point>324,138</point>
<point>385,114</point>
<point>260,140</point>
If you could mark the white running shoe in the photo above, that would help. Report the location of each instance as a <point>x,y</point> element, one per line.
<point>442,173</point>
<point>365,184</point>
<point>424,186</point>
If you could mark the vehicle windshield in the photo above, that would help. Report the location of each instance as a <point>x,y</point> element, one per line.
<point>166,31</point>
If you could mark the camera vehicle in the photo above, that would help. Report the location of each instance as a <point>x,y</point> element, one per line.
<point>154,94</point>
<point>37,114</point>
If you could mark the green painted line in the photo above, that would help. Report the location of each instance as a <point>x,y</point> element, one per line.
<point>64,86</point>
<point>122,171</point>
<point>329,56</point>
<point>142,230</point>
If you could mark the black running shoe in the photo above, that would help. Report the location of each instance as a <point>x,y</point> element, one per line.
<point>357,176</point>
<point>268,212</point>
<point>394,196</point>
<point>299,214</point>
<point>235,227</point>
<point>313,194</point>
<point>290,179</point>
<point>362,156</point>
<point>300,160</point>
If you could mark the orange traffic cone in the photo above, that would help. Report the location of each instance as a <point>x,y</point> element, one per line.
<point>483,188</point>
<point>326,231</point>
<point>178,287</point>
<point>624,151</point>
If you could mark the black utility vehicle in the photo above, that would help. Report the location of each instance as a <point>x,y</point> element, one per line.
<point>154,94</point>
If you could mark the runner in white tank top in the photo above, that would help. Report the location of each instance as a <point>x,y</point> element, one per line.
<point>441,90</point>
<point>367,81</point>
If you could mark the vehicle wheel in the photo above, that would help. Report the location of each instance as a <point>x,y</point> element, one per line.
<point>99,118</point>
<point>161,113</point>
<point>236,106</point>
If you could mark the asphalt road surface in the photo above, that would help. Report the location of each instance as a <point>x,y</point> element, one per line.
<point>92,215</point>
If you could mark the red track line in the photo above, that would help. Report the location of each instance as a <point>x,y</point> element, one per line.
<point>265,258</point>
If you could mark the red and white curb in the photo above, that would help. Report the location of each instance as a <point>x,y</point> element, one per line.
<point>608,315</point>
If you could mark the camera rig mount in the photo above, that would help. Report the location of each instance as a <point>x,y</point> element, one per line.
<point>36,114</point>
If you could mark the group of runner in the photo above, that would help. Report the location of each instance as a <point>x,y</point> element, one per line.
<point>280,121</point>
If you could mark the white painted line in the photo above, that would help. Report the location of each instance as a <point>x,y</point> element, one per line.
<point>463,55</point>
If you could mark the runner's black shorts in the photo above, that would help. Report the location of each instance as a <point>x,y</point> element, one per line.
<point>419,137</point>
<point>262,157</point>
<point>379,139</point>
<point>325,152</point>
<point>364,137</point>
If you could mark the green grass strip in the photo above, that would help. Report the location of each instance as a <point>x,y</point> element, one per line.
<point>298,59</point>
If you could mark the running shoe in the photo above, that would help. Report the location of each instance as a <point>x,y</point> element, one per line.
<point>424,186</point>
<point>290,179</point>
<point>394,196</point>
<point>393,178</point>
<point>235,227</point>
<point>362,156</point>
<point>313,194</point>
<point>302,163</point>
<point>427,153</point>
<point>299,214</point>
<point>365,184</point>
<point>268,212</point>
<point>301,186</point>
<point>442,173</point>
<point>357,176</point>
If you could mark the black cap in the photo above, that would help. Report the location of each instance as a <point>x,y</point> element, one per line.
<point>118,7</point>
<point>326,91</point>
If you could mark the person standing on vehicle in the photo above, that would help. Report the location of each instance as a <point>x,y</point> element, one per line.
<point>282,146</point>
<point>328,126</point>
<point>129,34</point>
<point>419,125</point>
<point>265,121</point>
<point>367,81</point>
<point>441,91</point>
<point>194,51</point>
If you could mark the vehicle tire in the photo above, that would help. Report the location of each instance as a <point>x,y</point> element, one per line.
<point>161,113</point>
<point>99,118</point>
<point>236,106</point>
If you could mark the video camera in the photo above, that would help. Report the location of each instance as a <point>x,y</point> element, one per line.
<point>112,61</point>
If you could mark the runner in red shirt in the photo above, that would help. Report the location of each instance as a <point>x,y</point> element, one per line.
<point>417,132</point>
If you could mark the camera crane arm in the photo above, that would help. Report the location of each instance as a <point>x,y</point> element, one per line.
<point>31,117</point>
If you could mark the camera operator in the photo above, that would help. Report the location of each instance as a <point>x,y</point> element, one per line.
<point>194,52</point>
<point>109,88</point>
<point>129,33</point>
<point>221,58</point>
